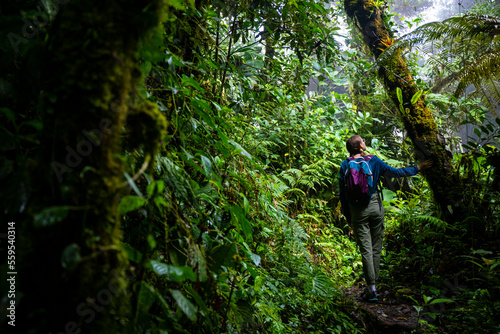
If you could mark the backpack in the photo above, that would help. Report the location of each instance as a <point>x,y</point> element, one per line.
<point>358,180</point>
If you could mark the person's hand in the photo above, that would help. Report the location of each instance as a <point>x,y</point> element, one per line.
<point>425,164</point>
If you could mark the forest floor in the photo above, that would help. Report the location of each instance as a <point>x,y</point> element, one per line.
<point>387,315</point>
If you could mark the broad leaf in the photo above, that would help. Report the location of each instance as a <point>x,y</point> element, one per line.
<point>256,259</point>
<point>222,255</point>
<point>415,97</point>
<point>145,300</point>
<point>177,273</point>
<point>132,254</point>
<point>441,300</point>
<point>399,93</point>
<point>50,216</point>
<point>184,304</point>
<point>130,203</point>
<point>242,150</point>
<point>207,165</point>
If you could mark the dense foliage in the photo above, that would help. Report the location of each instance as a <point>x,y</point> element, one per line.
<point>223,206</point>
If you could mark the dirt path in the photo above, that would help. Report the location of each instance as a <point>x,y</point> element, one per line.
<point>388,315</point>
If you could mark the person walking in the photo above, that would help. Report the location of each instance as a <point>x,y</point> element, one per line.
<point>367,217</point>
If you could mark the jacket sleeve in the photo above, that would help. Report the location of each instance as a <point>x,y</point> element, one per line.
<point>343,196</point>
<point>400,172</point>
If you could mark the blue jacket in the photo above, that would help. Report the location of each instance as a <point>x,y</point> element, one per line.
<point>377,167</point>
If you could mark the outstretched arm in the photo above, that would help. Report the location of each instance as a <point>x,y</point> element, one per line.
<point>402,172</point>
<point>399,172</point>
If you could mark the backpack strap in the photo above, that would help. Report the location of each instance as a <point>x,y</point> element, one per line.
<point>377,186</point>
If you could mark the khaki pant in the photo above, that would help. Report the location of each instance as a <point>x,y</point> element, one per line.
<point>368,224</point>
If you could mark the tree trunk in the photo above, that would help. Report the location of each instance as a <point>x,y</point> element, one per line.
<point>417,117</point>
<point>71,265</point>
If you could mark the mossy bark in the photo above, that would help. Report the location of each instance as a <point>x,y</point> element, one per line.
<point>72,268</point>
<point>417,117</point>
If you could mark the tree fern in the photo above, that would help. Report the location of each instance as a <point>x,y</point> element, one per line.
<point>473,44</point>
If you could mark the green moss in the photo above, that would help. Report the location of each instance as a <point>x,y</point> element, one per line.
<point>146,127</point>
<point>93,73</point>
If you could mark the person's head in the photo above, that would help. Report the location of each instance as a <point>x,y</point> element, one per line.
<point>355,145</point>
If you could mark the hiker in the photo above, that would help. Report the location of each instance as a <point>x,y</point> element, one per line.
<point>362,206</point>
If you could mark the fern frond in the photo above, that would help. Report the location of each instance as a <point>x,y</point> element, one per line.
<point>289,178</point>
<point>307,183</point>
<point>295,190</point>
<point>174,180</point>
<point>317,282</point>
<point>287,202</point>
<point>471,44</point>
<point>267,143</point>
<point>434,221</point>
<point>297,172</point>
<point>277,187</point>
<point>492,91</point>
<point>474,27</point>
<point>322,284</point>
<point>479,71</point>
<point>296,231</point>
<point>305,216</point>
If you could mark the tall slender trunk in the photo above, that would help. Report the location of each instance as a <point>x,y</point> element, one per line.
<point>231,34</point>
<point>417,117</point>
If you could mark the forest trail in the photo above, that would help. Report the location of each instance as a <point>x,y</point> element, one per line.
<point>388,315</point>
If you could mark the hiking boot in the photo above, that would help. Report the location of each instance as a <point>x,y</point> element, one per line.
<point>369,296</point>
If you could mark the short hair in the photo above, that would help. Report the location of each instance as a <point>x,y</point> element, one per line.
<point>353,145</point>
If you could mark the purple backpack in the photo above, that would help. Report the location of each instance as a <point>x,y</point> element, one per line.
<point>358,180</point>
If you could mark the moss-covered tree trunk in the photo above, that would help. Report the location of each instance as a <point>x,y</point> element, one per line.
<point>417,117</point>
<point>72,269</point>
